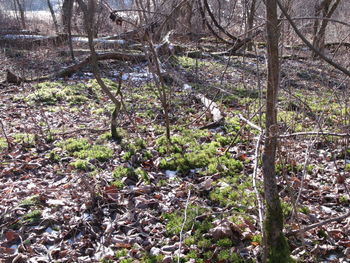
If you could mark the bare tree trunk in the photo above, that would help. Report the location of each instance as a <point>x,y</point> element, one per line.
<point>154,67</point>
<point>89,13</point>
<point>187,14</point>
<point>67,12</point>
<point>250,22</point>
<point>327,10</point>
<point>53,16</point>
<point>276,247</point>
<point>20,6</point>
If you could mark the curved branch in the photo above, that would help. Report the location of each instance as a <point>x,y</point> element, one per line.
<point>302,37</point>
<point>319,18</point>
<point>217,24</point>
<point>201,10</point>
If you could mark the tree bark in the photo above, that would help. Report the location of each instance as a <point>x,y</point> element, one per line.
<point>21,12</point>
<point>250,22</point>
<point>276,247</point>
<point>89,14</point>
<point>67,12</point>
<point>53,16</point>
<point>327,10</point>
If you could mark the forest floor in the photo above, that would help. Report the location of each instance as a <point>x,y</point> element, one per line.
<point>71,194</point>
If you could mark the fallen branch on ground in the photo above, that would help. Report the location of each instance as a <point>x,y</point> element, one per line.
<point>250,123</point>
<point>314,134</point>
<point>211,106</point>
<point>68,71</point>
<point>325,222</point>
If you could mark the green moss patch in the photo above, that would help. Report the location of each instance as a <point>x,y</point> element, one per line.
<point>85,152</point>
<point>73,93</point>
<point>30,201</point>
<point>175,221</point>
<point>79,164</point>
<point>31,218</point>
<point>199,244</point>
<point>197,150</point>
<point>191,63</point>
<point>27,139</point>
<point>97,152</point>
<point>234,190</point>
<point>3,144</point>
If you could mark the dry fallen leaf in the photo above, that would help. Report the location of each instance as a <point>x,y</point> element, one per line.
<point>11,236</point>
<point>6,250</point>
<point>122,245</point>
<point>344,243</point>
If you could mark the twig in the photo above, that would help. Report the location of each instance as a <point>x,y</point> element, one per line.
<point>250,123</point>
<point>327,221</point>
<point>318,18</point>
<point>256,167</point>
<point>183,225</point>
<point>315,133</point>
<point>314,49</point>
<point>306,161</point>
<point>241,128</point>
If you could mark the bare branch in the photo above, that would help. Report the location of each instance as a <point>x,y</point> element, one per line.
<point>322,223</point>
<point>302,37</point>
<point>314,133</point>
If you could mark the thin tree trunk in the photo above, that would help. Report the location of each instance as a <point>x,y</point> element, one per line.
<point>320,33</point>
<point>250,23</point>
<point>53,16</point>
<point>276,247</point>
<point>67,12</point>
<point>89,11</point>
<point>21,12</point>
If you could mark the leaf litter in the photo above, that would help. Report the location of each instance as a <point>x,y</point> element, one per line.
<point>52,211</point>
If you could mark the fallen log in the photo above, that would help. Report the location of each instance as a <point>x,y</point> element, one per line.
<point>135,58</point>
<point>27,41</point>
<point>68,71</point>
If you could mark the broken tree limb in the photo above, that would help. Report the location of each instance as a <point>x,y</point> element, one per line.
<point>233,50</point>
<point>250,123</point>
<point>322,223</point>
<point>29,41</point>
<point>101,56</point>
<point>314,133</point>
<point>166,47</point>
<point>212,107</point>
<point>336,44</point>
<point>68,71</point>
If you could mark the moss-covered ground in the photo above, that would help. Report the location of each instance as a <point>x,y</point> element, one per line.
<point>66,185</point>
